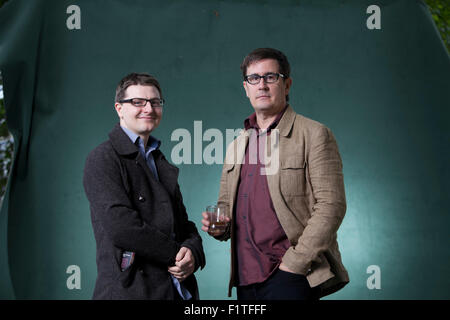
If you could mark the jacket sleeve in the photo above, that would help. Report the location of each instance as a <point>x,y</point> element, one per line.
<point>112,208</point>
<point>191,238</point>
<point>326,178</point>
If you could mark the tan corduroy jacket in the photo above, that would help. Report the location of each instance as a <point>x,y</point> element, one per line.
<point>306,185</point>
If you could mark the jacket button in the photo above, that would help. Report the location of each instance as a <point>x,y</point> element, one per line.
<point>141,199</point>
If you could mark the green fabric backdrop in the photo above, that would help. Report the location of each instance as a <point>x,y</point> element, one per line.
<point>384,93</point>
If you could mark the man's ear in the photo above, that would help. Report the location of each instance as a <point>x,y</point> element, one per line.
<point>244,83</point>
<point>287,85</point>
<point>118,108</point>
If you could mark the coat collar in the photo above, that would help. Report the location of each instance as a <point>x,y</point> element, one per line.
<point>121,142</point>
<point>284,125</point>
<point>168,174</point>
<point>286,122</point>
<point>236,152</point>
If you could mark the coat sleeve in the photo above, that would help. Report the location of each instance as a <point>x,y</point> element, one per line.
<point>191,238</point>
<point>112,208</point>
<point>326,178</point>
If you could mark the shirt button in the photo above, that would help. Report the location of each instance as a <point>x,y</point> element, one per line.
<point>141,199</point>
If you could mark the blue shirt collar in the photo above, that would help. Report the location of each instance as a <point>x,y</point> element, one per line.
<point>152,143</point>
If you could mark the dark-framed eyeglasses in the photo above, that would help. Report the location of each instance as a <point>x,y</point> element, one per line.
<point>141,102</point>
<point>270,77</point>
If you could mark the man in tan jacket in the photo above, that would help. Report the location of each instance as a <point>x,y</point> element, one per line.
<point>283,190</point>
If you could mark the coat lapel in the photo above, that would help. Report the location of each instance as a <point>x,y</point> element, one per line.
<point>235,159</point>
<point>286,122</point>
<point>275,159</point>
<point>236,155</point>
<point>168,174</point>
<point>140,160</point>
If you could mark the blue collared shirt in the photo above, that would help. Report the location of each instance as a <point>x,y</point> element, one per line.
<point>153,144</point>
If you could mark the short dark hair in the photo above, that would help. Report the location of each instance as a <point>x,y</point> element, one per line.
<point>267,53</point>
<point>143,79</point>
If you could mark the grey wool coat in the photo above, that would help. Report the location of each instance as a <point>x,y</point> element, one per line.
<point>132,211</point>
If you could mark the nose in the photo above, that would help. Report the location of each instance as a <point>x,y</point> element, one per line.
<point>148,106</point>
<point>262,85</point>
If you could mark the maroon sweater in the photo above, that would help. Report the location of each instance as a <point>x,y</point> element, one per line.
<point>260,240</point>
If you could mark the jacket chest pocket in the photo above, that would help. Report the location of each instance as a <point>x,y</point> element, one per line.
<point>292,176</point>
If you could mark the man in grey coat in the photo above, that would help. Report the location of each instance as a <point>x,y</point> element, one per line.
<point>146,246</point>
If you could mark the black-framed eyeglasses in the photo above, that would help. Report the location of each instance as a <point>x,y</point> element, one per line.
<point>270,77</point>
<point>141,102</point>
